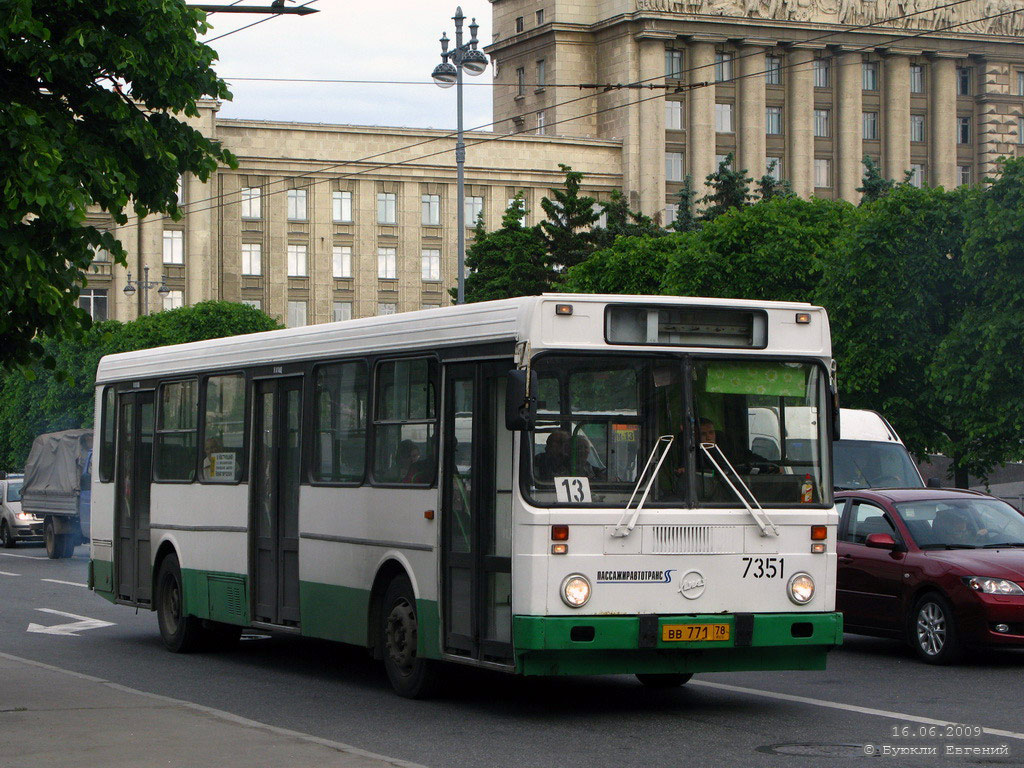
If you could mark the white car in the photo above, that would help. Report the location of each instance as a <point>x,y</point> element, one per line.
<point>16,525</point>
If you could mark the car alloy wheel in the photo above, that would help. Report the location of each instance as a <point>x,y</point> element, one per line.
<point>931,629</point>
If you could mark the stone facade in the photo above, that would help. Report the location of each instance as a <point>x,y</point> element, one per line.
<point>815,84</point>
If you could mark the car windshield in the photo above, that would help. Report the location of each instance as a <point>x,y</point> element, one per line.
<point>14,491</point>
<point>600,419</point>
<point>962,523</point>
<point>872,464</point>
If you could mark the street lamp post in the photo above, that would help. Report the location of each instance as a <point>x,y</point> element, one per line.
<point>145,285</point>
<point>446,74</point>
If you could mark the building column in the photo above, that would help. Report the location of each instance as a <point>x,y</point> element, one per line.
<point>651,131</point>
<point>751,96</point>
<point>799,111</point>
<point>849,128</point>
<point>119,306</point>
<point>896,130</point>
<point>700,108</point>
<point>942,123</point>
<point>151,254</point>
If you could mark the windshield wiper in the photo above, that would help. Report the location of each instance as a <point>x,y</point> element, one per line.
<point>664,444</point>
<point>1004,545</point>
<point>949,546</point>
<point>749,500</point>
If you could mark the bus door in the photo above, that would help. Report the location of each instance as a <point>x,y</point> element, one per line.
<point>477,513</point>
<point>277,447</point>
<point>135,423</point>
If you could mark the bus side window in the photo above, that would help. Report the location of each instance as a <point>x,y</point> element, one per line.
<point>340,420</point>
<point>108,419</point>
<point>224,429</point>
<point>177,417</point>
<point>405,423</point>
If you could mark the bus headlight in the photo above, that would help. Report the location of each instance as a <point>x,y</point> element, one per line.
<point>801,588</point>
<point>575,590</point>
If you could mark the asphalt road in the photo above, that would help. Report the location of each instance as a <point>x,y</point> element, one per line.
<point>872,690</point>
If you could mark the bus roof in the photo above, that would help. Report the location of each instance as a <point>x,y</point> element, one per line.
<point>508,320</point>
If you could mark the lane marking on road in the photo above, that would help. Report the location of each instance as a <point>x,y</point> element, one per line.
<point>222,715</point>
<point>69,583</point>
<point>8,573</point>
<point>70,629</point>
<point>851,708</point>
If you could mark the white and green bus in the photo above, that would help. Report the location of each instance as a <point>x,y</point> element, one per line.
<point>549,485</point>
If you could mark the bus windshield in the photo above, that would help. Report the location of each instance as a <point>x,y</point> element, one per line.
<point>600,417</point>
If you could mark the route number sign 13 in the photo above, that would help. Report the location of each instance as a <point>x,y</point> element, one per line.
<point>573,490</point>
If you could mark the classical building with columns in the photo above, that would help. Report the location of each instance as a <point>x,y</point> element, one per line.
<point>930,87</point>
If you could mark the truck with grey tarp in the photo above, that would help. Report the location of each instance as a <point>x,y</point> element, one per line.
<point>56,488</point>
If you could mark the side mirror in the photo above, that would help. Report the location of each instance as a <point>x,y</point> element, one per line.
<point>835,415</point>
<point>934,482</point>
<point>881,541</point>
<point>520,408</point>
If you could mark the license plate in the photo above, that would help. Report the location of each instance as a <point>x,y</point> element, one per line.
<point>694,633</point>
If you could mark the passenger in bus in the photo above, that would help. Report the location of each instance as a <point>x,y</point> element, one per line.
<point>554,462</point>
<point>405,461</point>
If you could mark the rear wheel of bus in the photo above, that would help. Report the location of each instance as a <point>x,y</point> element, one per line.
<point>180,633</point>
<point>410,675</point>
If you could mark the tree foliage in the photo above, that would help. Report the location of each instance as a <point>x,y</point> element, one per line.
<point>632,265</point>
<point>685,220</point>
<point>37,399</point>
<point>90,93</point>
<point>873,185</point>
<point>729,188</point>
<point>770,187</point>
<point>570,216</point>
<point>622,221</point>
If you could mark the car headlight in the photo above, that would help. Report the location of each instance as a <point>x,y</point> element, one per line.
<point>992,586</point>
<point>25,516</point>
<point>801,588</point>
<point>575,590</point>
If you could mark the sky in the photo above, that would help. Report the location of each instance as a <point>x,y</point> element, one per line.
<point>392,40</point>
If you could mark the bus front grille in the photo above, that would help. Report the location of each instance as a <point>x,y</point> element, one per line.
<point>693,539</point>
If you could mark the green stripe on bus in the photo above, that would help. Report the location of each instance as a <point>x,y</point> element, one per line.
<point>670,661</point>
<point>103,578</point>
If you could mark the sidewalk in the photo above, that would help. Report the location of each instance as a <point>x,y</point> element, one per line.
<point>54,717</point>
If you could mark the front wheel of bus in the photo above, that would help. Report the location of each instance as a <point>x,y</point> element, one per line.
<point>665,680</point>
<point>410,676</point>
<point>180,633</point>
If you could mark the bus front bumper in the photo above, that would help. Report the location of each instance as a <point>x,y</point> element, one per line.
<point>582,645</point>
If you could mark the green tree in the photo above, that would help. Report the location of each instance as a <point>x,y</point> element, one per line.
<point>685,220</point>
<point>632,265</point>
<point>874,184</point>
<point>511,261</point>
<point>36,399</point>
<point>622,221</point>
<point>570,216</point>
<point>730,188</point>
<point>770,187</point>
<point>90,93</point>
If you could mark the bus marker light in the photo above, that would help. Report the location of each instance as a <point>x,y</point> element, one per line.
<point>819,533</point>
<point>818,548</point>
<point>559,549</point>
<point>559,532</point>
<point>803,318</point>
<point>428,514</point>
<point>563,309</point>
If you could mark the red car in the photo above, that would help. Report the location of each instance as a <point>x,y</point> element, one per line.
<point>941,569</point>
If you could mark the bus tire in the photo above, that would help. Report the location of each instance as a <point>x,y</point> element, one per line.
<point>667,680</point>
<point>6,537</point>
<point>180,633</point>
<point>410,676</point>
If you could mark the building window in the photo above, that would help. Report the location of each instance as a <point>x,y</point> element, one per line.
<point>297,266</point>
<point>673,64</point>
<point>870,125</point>
<point>673,115</point>
<point>99,253</point>
<point>822,172</point>
<point>341,310</point>
<point>773,120</point>
<point>431,209</point>
<point>723,118</point>
<point>174,300</point>
<point>916,78</point>
<point>963,173</point>
<point>474,208</point>
<point>296,205</point>
<point>174,246</point>
<point>94,301</point>
<point>916,178</point>
<point>602,216</point>
<point>917,127</point>
<point>251,203</point>
<point>520,24</point>
<point>521,81</point>
<point>1020,130</point>
<point>869,75</point>
<point>542,74</point>
<point>963,130</point>
<point>254,303</point>
<point>342,206</point>
<point>179,190</point>
<point>387,208</point>
<point>1020,82</point>
<point>821,78</point>
<point>542,121</point>
<point>540,17</point>
<point>773,167</point>
<point>387,266</point>
<point>723,67</point>
<point>963,81</point>
<point>252,259</point>
<point>387,308</point>
<point>720,161</point>
<point>296,314</point>
<point>821,123</point>
<point>673,166</point>
<point>671,211</point>
<point>773,70</point>
<point>430,260</point>
<point>341,256</point>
